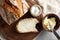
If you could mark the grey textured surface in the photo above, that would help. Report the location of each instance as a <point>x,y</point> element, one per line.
<point>1,37</point>
<point>44,35</point>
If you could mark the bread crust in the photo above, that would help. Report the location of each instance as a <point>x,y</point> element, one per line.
<point>16,11</point>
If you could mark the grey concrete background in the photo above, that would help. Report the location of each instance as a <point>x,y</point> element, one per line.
<point>44,35</point>
<point>1,37</point>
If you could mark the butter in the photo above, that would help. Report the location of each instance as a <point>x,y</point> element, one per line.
<point>51,20</point>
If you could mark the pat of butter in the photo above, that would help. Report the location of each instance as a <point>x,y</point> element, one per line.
<point>51,20</point>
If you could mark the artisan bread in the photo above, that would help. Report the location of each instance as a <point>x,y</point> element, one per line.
<point>15,10</point>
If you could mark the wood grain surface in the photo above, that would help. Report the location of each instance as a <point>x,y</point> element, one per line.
<point>10,33</point>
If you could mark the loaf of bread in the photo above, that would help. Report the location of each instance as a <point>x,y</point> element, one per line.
<point>16,9</point>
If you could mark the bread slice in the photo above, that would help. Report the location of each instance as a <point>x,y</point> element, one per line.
<point>25,6</point>
<point>20,6</point>
<point>27,25</point>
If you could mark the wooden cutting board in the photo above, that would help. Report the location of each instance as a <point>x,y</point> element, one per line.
<point>10,33</point>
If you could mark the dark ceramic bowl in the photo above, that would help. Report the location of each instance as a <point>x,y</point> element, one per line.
<point>57,21</point>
